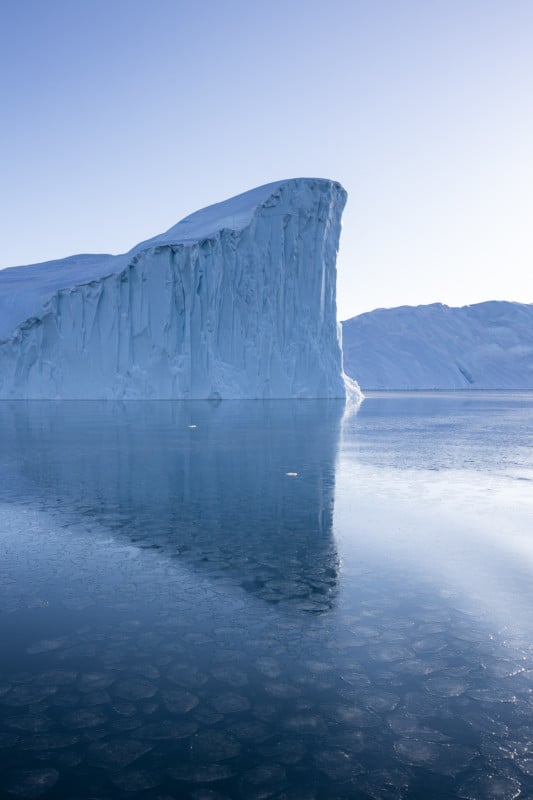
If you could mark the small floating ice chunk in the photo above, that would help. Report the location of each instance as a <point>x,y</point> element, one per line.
<point>447,686</point>
<point>489,787</point>
<point>269,667</point>
<point>304,723</point>
<point>135,689</point>
<point>66,758</point>
<point>419,666</point>
<point>127,724</point>
<point>215,745</point>
<point>167,729</point>
<point>124,708</point>
<point>179,701</point>
<point>501,668</point>
<point>286,750</point>
<point>230,703</point>
<point>297,793</point>
<point>149,671</point>
<point>116,753</point>
<point>497,694</point>
<point>83,718</point>
<point>389,653</point>
<point>353,715</point>
<point>251,731</point>
<point>26,695</point>
<point>282,690</point>
<point>337,765</point>
<point>291,474</point>
<point>45,646</point>
<point>203,793</point>
<point>98,698</point>
<point>65,700</point>
<point>56,677</point>
<point>357,680</point>
<point>32,723</point>
<point>136,780</point>
<point>411,728</point>
<point>230,675</point>
<point>206,715</point>
<point>201,773</point>
<point>379,701</point>
<point>186,675</point>
<point>50,741</point>
<point>417,752</point>
<point>89,681</point>
<point>267,778</point>
<point>318,666</point>
<point>391,784</point>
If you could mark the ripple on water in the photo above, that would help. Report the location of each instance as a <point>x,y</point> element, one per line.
<point>116,753</point>
<point>26,695</point>
<point>167,729</point>
<point>135,689</point>
<point>137,780</point>
<point>32,782</point>
<point>490,787</point>
<point>230,703</point>
<point>202,773</point>
<point>215,745</point>
<point>179,701</point>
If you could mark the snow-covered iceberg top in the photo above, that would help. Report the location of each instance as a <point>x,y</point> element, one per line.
<point>24,290</point>
<point>236,300</point>
<point>435,347</point>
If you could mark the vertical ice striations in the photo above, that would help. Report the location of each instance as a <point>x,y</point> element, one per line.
<point>236,301</point>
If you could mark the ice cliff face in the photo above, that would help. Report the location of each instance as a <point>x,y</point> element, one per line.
<point>482,346</point>
<point>235,301</point>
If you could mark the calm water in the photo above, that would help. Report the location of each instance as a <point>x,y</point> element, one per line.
<point>252,601</point>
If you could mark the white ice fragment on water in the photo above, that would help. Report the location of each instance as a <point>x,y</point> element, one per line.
<point>292,474</point>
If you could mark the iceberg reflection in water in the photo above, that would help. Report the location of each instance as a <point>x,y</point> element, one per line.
<point>184,612</point>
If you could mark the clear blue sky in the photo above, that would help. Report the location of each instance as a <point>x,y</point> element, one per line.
<point>119,117</point>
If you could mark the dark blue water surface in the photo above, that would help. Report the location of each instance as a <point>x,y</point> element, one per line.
<point>267,600</point>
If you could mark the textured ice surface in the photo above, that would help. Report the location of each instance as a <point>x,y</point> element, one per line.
<point>235,301</point>
<point>482,346</point>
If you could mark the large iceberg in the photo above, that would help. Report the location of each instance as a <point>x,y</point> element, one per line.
<point>235,301</point>
<point>481,346</point>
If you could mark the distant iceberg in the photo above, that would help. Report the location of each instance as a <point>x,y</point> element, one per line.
<point>235,301</point>
<point>482,346</point>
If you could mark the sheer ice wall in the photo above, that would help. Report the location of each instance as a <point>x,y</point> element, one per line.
<point>235,301</point>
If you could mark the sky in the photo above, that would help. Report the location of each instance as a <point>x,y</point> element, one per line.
<point>120,117</point>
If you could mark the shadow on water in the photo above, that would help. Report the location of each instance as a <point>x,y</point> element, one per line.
<point>240,490</point>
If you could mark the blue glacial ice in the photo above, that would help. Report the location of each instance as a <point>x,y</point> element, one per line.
<point>235,301</point>
<point>482,346</point>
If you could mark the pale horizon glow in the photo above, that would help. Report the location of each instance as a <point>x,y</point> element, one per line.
<point>121,118</point>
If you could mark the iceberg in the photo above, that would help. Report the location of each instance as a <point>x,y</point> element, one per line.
<point>236,301</point>
<point>483,346</point>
